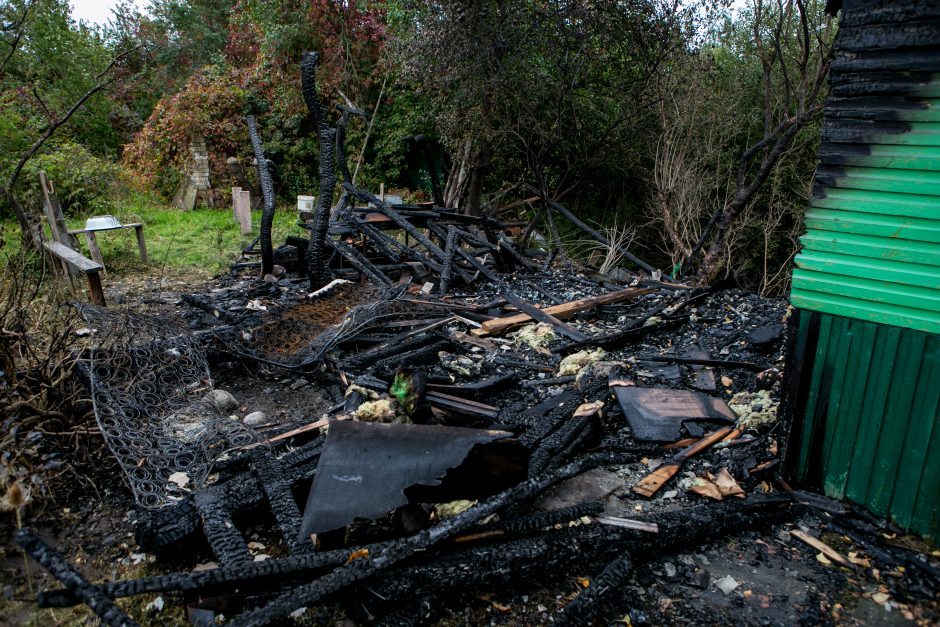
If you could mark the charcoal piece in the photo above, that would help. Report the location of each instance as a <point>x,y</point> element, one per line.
<point>658,415</point>
<point>365,468</point>
<point>766,336</point>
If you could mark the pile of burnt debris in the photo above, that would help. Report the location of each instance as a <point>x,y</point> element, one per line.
<point>479,413</point>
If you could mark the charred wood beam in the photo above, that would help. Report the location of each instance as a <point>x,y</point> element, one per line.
<point>540,315</point>
<point>267,192</point>
<point>633,332</point>
<point>449,252</point>
<point>345,113</point>
<point>516,363</point>
<point>162,530</point>
<point>255,573</point>
<point>590,231</point>
<point>359,262</point>
<point>472,238</point>
<point>379,240</point>
<point>377,561</point>
<point>207,305</point>
<point>585,606</point>
<point>478,387</point>
<point>378,353</point>
<point>78,587</point>
<point>695,361</point>
<point>396,217</point>
<point>418,357</point>
<point>506,245</point>
<point>226,540</point>
<point>562,550</point>
<point>462,406</point>
<point>317,269</point>
<point>473,261</point>
<point>278,492</point>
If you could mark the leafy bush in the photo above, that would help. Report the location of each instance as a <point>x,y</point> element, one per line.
<point>84,182</point>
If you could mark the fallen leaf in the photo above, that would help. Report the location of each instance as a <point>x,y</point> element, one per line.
<point>727,381</point>
<point>822,559</point>
<point>704,487</point>
<point>765,600</point>
<point>584,582</point>
<point>727,485</point>
<point>499,607</point>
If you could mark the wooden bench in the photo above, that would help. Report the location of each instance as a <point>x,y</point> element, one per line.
<point>95,252</point>
<point>84,265</point>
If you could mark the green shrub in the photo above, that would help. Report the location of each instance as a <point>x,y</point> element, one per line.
<point>84,182</point>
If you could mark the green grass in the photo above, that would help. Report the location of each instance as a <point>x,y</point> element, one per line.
<point>196,243</point>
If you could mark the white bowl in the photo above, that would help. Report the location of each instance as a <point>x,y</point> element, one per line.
<point>102,223</point>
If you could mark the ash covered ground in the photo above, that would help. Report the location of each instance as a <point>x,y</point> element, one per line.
<point>723,553</point>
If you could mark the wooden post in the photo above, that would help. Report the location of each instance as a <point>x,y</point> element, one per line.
<point>235,200</point>
<point>243,211</point>
<point>141,244</point>
<point>94,251</point>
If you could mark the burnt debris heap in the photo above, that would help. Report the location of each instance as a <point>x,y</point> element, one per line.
<point>474,417</point>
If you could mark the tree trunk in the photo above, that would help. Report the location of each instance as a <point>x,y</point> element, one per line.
<point>475,193</point>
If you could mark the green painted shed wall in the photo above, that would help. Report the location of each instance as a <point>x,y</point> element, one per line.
<point>871,418</point>
<point>864,378</point>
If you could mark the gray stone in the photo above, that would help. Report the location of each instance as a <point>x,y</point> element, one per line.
<point>224,401</point>
<point>256,418</point>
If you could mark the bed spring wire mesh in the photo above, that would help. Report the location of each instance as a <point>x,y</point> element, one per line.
<point>151,390</point>
<point>296,337</point>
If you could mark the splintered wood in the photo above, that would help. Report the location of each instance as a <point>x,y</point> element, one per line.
<point>562,311</point>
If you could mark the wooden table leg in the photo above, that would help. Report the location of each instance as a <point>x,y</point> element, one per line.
<point>141,244</point>
<point>94,286</point>
<point>94,251</point>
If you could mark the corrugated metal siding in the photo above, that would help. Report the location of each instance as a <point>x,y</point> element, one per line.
<point>871,430</point>
<point>872,247</point>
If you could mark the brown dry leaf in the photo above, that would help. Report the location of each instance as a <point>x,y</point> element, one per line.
<point>822,559</point>
<point>727,381</point>
<point>880,597</point>
<point>765,600</point>
<point>727,485</point>
<point>357,554</point>
<point>772,449</point>
<point>704,487</point>
<point>584,582</point>
<point>499,607</point>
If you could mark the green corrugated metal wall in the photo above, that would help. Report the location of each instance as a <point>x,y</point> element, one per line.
<point>871,432</point>
<point>868,275</point>
<point>872,246</point>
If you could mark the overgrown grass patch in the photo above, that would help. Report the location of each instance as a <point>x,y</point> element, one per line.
<point>194,243</point>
